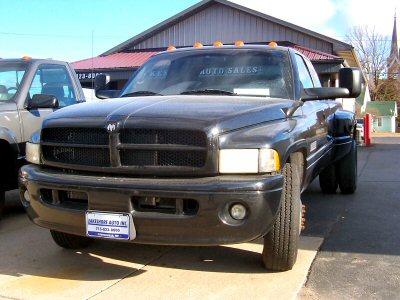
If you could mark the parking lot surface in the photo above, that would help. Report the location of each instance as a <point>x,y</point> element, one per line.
<point>33,267</point>
<point>360,257</point>
<point>360,237</point>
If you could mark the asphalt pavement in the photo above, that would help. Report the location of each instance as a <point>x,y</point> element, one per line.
<point>360,256</point>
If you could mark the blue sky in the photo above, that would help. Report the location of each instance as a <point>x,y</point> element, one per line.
<point>62,29</point>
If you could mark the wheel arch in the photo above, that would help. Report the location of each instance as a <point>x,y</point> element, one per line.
<point>8,161</point>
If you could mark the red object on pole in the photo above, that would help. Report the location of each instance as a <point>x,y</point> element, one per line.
<point>367,129</point>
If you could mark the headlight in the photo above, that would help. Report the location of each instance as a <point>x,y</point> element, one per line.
<point>33,153</point>
<point>248,161</point>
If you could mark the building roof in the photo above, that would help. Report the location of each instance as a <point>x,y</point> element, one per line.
<point>382,108</point>
<point>114,61</point>
<point>315,55</point>
<point>206,3</point>
<point>137,58</point>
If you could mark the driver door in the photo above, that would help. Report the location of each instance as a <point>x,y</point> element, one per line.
<point>49,79</point>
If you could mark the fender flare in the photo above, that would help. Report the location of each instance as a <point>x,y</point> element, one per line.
<point>295,147</point>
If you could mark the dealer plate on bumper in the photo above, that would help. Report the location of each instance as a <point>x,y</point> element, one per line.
<point>116,226</point>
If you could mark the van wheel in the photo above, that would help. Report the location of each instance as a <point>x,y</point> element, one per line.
<point>69,241</point>
<point>347,171</point>
<point>281,243</point>
<point>328,180</point>
<point>2,202</point>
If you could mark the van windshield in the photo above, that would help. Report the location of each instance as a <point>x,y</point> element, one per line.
<point>11,75</point>
<point>227,72</point>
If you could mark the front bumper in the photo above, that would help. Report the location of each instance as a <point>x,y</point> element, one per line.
<point>210,225</point>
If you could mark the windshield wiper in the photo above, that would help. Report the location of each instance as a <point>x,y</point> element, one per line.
<point>209,92</point>
<point>141,93</point>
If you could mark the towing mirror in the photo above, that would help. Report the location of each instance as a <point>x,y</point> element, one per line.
<point>349,87</point>
<point>324,93</point>
<point>101,84</point>
<point>350,78</point>
<point>43,101</point>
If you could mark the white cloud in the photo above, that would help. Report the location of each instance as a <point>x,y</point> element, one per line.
<point>318,14</point>
<point>311,14</point>
<point>372,13</point>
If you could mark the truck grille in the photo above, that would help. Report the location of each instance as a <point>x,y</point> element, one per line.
<point>129,149</point>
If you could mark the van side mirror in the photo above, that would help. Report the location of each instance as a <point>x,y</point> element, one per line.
<point>351,78</point>
<point>101,83</point>
<point>43,101</point>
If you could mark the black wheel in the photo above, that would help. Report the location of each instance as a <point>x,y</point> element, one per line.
<point>328,180</point>
<point>69,241</point>
<point>281,243</point>
<point>347,171</point>
<point>2,202</point>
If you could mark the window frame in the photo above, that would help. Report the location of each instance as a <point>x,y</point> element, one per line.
<point>54,65</point>
<point>299,56</point>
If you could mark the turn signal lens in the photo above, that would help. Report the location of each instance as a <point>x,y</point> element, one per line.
<point>198,45</point>
<point>32,153</point>
<point>269,161</point>
<point>239,43</point>
<point>218,44</point>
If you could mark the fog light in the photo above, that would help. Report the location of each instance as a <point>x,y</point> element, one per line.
<point>238,211</point>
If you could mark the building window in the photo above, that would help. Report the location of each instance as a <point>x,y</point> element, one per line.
<point>379,122</point>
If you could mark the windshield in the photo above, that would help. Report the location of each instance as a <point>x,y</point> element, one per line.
<point>11,75</point>
<point>224,72</point>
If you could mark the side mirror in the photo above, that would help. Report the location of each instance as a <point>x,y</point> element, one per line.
<point>43,101</point>
<point>101,90</point>
<point>324,93</point>
<point>349,87</point>
<point>101,82</point>
<point>350,78</point>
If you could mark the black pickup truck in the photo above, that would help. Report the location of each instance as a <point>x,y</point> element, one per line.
<point>205,146</point>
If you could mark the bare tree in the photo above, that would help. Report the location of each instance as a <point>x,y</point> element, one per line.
<point>373,50</point>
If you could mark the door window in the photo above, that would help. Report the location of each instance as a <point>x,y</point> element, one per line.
<point>11,75</point>
<point>304,74</point>
<point>53,80</point>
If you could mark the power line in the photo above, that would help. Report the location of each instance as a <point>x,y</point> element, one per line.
<point>57,35</point>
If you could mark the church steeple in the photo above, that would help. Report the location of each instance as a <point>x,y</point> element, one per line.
<point>393,62</point>
<point>394,52</point>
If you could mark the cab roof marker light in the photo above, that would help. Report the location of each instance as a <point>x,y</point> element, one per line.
<point>197,45</point>
<point>218,44</point>
<point>171,48</point>
<point>239,43</point>
<point>273,44</point>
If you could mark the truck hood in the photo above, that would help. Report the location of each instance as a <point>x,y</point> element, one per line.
<point>223,112</point>
<point>7,106</point>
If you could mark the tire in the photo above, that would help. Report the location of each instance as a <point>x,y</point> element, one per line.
<point>69,241</point>
<point>281,243</point>
<point>2,202</point>
<point>347,171</point>
<point>328,180</point>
